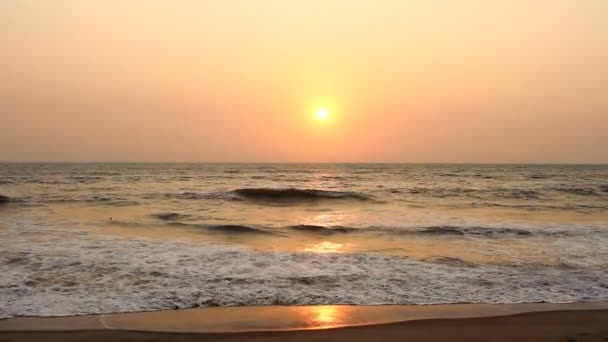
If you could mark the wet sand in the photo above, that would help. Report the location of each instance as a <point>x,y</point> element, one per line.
<point>462,322</point>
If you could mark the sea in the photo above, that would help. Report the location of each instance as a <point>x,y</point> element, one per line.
<point>125,237</point>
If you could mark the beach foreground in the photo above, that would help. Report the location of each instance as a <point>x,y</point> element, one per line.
<point>465,322</point>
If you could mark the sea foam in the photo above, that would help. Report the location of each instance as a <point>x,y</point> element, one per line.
<point>77,272</point>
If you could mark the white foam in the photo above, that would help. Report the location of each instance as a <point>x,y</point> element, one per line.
<point>49,271</point>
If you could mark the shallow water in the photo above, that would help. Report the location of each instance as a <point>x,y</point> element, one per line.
<point>90,238</point>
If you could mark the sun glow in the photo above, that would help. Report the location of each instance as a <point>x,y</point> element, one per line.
<point>322,113</point>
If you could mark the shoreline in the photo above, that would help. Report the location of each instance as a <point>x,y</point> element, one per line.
<point>282,319</point>
<point>542,326</point>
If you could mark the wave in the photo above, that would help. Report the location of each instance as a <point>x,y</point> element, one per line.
<point>85,179</point>
<point>430,231</point>
<point>447,174</point>
<point>156,275</point>
<point>236,229</point>
<point>473,193</point>
<point>503,193</point>
<point>458,262</point>
<point>45,181</point>
<point>426,231</point>
<point>189,195</point>
<point>478,231</point>
<point>324,230</point>
<point>451,261</point>
<point>101,199</point>
<point>102,202</point>
<point>226,228</point>
<point>519,194</point>
<point>186,195</point>
<point>214,228</point>
<point>113,222</point>
<point>96,200</point>
<point>539,176</point>
<point>456,231</point>
<point>219,228</point>
<point>579,191</point>
<point>487,232</point>
<point>296,195</point>
<point>537,207</point>
<point>169,216</point>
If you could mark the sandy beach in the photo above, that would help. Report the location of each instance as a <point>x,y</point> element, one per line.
<point>461,322</point>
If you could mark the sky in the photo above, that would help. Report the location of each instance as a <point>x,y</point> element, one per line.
<point>477,81</point>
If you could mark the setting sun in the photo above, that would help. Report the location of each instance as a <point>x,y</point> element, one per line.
<point>322,114</point>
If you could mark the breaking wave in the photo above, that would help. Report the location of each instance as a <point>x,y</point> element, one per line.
<point>296,195</point>
<point>156,276</point>
<point>323,230</point>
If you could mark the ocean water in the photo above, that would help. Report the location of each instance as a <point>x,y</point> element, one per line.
<point>93,238</point>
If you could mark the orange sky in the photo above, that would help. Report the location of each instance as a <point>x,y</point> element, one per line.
<point>405,81</point>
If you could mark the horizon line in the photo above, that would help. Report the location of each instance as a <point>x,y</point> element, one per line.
<point>299,162</point>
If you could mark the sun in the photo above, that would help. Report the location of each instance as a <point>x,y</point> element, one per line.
<point>322,113</point>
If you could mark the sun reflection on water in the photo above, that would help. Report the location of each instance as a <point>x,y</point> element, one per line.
<point>325,247</point>
<point>328,219</point>
<point>324,316</point>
